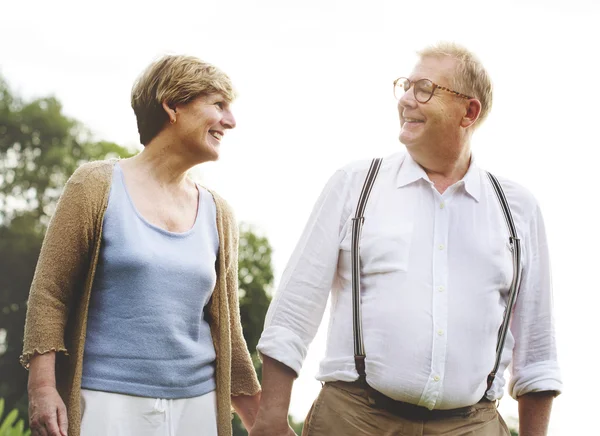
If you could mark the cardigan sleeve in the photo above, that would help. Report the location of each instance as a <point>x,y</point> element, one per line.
<point>243,374</point>
<point>60,269</point>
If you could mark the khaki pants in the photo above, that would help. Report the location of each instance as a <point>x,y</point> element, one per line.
<point>346,409</point>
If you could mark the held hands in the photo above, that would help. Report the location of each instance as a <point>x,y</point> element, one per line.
<point>47,412</point>
<point>269,426</point>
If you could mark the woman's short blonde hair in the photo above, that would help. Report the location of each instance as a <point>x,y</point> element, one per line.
<point>471,78</point>
<point>174,79</point>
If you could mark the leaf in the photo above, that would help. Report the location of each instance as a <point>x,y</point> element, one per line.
<point>8,422</point>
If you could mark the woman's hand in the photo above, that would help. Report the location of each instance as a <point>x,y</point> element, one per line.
<point>47,412</point>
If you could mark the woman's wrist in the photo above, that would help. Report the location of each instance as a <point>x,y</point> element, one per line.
<point>42,371</point>
<point>246,406</point>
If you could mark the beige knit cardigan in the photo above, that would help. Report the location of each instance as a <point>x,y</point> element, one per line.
<point>58,304</point>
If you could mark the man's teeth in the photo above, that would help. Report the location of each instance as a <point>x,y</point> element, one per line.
<point>217,135</point>
<point>412,120</point>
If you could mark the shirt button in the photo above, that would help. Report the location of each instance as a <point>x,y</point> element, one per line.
<point>436,378</point>
<point>442,205</point>
<point>441,246</point>
<point>441,288</point>
<point>441,332</point>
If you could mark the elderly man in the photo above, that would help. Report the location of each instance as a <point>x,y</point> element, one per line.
<point>445,251</point>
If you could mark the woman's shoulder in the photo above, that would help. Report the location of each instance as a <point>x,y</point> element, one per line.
<point>224,209</point>
<point>90,183</point>
<point>98,171</point>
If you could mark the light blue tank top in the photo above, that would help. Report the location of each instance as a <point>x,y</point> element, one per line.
<point>146,333</point>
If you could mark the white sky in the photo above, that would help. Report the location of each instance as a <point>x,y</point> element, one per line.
<point>315,82</point>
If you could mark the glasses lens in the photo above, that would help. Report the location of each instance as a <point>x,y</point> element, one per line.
<point>401,85</point>
<point>423,90</point>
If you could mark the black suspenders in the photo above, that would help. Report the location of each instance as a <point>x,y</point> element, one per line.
<point>357,223</point>
<point>515,248</point>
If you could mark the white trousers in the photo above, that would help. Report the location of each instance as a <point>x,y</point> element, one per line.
<point>105,413</point>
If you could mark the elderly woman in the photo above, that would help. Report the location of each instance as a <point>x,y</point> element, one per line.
<point>133,319</point>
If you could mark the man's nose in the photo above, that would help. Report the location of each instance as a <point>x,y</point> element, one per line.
<point>407,99</point>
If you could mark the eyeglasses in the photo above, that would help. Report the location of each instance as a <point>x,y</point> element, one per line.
<point>423,89</point>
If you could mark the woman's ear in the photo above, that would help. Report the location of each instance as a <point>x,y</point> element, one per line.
<point>171,111</point>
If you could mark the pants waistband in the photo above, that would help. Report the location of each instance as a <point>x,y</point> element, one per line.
<point>402,409</point>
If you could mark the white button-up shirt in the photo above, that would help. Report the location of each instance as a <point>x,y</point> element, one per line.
<point>435,275</point>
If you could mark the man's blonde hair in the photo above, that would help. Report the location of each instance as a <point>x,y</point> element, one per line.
<point>174,79</point>
<point>471,78</point>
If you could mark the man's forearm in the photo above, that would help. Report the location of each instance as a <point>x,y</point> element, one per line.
<point>277,383</point>
<point>534,413</point>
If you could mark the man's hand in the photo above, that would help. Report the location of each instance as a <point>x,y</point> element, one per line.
<point>47,412</point>
<point>271,426</point>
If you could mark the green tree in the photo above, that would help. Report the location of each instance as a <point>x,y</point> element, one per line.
<point>255,280</point>
<point>40,147</point>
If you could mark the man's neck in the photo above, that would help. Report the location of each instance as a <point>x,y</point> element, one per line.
<point>445,173</point>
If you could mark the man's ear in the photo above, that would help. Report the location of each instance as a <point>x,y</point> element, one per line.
<point>472,112</point>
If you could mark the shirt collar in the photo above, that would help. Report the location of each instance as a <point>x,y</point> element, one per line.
<point>410,172</point>
<point>472,180</point>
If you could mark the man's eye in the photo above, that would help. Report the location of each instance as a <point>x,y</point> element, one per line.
<point>220,105</point>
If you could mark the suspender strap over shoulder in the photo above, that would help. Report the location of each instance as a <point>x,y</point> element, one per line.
<point>357,223</point>
<point>515,247</point>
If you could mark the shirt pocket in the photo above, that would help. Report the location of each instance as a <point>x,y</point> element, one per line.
<point>383,248</point>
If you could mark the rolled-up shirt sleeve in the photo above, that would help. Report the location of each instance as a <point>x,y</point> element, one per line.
<point>534,366</point>
<point>298,305</point>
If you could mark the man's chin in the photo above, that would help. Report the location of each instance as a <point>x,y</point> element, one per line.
<point>406,140</point>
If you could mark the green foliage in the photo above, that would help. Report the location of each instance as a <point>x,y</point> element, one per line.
<point>40,148</point>
<point>7,424</point>
<point>255,279</point>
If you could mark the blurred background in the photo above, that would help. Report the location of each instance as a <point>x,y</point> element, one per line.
<point>315,92</point>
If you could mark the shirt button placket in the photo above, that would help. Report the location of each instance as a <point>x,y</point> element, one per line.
<point>440,297</point>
